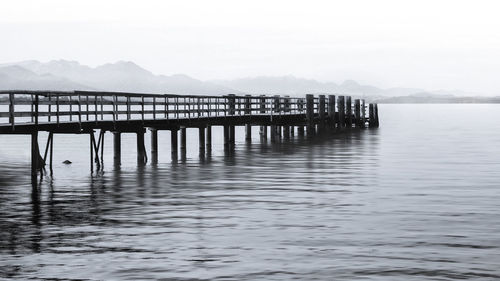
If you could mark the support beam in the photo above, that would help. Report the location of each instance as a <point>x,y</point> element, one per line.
<point>117,148</point>
<point>331,111</point>
<point>274,136</point>
<point>310,115</point>
<point>300,130</point>
<point>183,142</point>
<point>209,139</point>
<point>232,136</point>
<point>371,114</point>
<point>154,145</point>
<point>227,141</point>
<point>201,140</point>
<point>174,143</point>
<point>363,113</point>
<point>34,157</point>
<point>248,132</point>
<point>141,149</point>
<point>341,108</point>
<point>263,132</point>
<point>322,113</point>
<point>348,112</point>
<point>376,115</point>
<point>91,142</point>
<point>286,132</point>
<point>357,113</point>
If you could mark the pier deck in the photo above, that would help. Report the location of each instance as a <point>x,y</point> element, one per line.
<point>85,112</point>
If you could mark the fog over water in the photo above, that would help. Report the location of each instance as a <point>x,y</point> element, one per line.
<point>416,199</point>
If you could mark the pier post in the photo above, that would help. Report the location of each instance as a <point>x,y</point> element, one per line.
<point>34,157</point>
<point>117,148</point>
<point>248,111</point>
<point>300,130</point>
<point>154,145</point>
<point>174,146</point>
<point>248,132</point>
<point>209,139</point>
<point>202,140</point>
<point>226,137</point>
<point>262,105</point>
<point>322,113</point>
<point>310,114</point>
<point>348,113</point>
<point>273,130</point>
<point>376,115</point>
<point>363,113</point>
<point>371,115</point>
<point>331,111</point>
<point>286,132</point>
<point>141,149</point>
<point>232,111</point>
<point>357,113</point>
<point>183,142</point>
<point>341,107</point>
<point>232,136</point>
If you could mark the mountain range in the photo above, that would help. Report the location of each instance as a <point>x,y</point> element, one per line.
<point>126,76</point>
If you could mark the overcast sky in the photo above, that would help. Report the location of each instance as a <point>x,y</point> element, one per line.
<point>428,44</point>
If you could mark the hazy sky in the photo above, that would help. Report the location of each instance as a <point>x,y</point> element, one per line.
<point>428,44</point>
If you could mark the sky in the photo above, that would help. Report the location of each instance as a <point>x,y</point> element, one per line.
<point>438,44</point>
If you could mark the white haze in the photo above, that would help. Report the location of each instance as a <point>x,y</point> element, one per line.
<point>422,44</point>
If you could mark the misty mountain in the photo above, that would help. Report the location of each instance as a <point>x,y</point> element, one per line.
<point>18,78</point>
<point>120,76</point>
<point>126,76</point>
<point>290,85</point>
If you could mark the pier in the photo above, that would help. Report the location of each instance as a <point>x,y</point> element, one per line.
<point>95,113</point>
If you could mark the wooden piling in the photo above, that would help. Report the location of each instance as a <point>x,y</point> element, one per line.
<point>227,141</point>
<point>371,116</point>
<point>357,113</point>
<point>331,111</point>
<point>376,115</point>
<point>201,142</point>
<point>183,142</point>
<point>300,130</point>
<point>348,112</point>
<point>322,113</point>
<point>363,114</point>
<point>141,150</point>
<point>310,114</point>
<point>209,139</point>
<point>154,145</point>
<point>286,132</point>
<point>174,146</point>
<point>273,132</point>
<point>232,136</point>
<point>117,150</point>
<point>262,106</point>
<point>341,108</point>
<point>263,132</point>
<point>34,157</point>
<point>248,132</point>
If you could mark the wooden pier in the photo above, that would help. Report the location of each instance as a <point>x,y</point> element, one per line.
<point>86,112</point>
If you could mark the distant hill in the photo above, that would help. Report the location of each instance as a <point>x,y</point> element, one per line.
<point>291,85</point>
<point>434,98</point>
<point>126,76</point>
<point>120,76</point>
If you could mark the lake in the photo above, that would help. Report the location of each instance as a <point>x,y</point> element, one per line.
<point>416,199</point>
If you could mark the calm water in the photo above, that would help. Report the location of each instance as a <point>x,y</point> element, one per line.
<point>417,199</point>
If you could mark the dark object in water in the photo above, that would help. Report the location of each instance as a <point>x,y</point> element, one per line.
<point>67,162</point>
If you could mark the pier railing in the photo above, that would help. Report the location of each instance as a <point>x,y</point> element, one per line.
<point>18,107</point>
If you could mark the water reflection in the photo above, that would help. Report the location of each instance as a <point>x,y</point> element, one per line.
<point>344,205</point>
